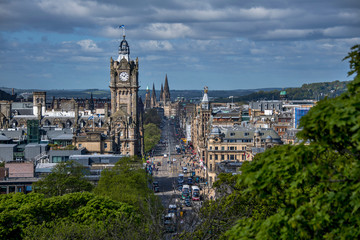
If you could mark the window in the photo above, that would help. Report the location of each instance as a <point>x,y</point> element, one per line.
<point>105,145</point>
<point>246,134</point>
<point>80,145</point>
<point>210,167</point>
<point>222,148</point>
<point>232,134</point>
<point>231,157</point>
<point>216,157</point>
<point>243,157</point>
<point>216,148</point>
<point>210,157</point>
<point>210,147</point>
<point>222,157</point>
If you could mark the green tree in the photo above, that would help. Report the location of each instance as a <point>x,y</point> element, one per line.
<point>152,116</point>
<point>152,135</point>
<point>66,177</point>
<point>128,182</point>
<point>71,216</point>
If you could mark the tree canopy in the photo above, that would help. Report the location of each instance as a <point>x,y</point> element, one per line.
<point>66,177</point>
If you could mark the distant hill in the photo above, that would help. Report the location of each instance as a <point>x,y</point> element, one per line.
<point>104,93</point>
<point>6,96</point>
<point>306,91</point>
<point>314,91</point>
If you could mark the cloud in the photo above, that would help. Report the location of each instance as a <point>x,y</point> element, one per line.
<point>156,45</point>
<point>88,45</point>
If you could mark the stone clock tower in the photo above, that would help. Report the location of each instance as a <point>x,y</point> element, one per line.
<point>126,124</point>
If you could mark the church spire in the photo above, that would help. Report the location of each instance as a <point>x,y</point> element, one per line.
<point>166,90</point>
<point>161,93</point>
<point>153,97</point>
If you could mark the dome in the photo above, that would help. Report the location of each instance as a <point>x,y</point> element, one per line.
<point>215,131</point>
<point>124,50</point>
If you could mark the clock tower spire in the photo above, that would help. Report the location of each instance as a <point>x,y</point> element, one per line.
<point>124,49</point>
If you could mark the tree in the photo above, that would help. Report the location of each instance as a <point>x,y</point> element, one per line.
<point>66,177</point>
<point>71,216</point>
<point>152,116</point>
<point>152,135</point>
<point>128,182</point>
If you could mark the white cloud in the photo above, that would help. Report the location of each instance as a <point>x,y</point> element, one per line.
<point>156,45</point>
<point>168,30</point>
<point>88,45</point>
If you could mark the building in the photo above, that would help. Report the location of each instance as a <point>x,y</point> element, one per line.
<point>236,144</point>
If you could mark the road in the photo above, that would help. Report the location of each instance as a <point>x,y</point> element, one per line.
<point>167,174</point>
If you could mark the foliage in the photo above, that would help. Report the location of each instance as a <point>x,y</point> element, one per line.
<point>66,177</point>
<point>33,216</point>
<point>152,136</point>
<point>354,60</point>
<point>152,116</point>
<point>125,182</point>
<point>128,182</point>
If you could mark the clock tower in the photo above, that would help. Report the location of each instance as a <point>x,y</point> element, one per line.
<point>124,84</point>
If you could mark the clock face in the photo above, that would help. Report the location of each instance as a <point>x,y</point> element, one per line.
<point>124,76</point>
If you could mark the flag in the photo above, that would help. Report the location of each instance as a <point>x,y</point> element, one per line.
<point>121,26</point>
<point>91,117</point>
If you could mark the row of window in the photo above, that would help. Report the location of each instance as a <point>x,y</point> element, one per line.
<point>228,148</point>
<point>229,157</point>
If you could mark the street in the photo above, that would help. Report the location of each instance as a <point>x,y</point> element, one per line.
<point>171,165</point>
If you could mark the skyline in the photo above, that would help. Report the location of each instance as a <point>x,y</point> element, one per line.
<point>225,45</point>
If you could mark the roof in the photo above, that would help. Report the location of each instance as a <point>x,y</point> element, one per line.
<point>4,138</point>
<point>248,133</point>
<point>64,136</point>
<point>7,145</point>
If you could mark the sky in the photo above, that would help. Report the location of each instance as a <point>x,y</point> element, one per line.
<point>227,44</point>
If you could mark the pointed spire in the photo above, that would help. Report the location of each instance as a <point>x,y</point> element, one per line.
<point>166,90</point>
<point>153,97</point>
<point>161,92</point>
<point>153,91</point>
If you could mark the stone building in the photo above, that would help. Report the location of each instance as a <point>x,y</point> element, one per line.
<point>116,122</point>
<point>236,144</point>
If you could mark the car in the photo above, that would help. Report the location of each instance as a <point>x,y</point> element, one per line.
<point>184,169</point>
<point>156,189</point>
<point>190,181</point>
<point>165,155</point>
<point>155,184</point>
<point>158,163</point>
<point>187,202</point>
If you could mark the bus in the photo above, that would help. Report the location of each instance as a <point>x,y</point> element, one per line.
<point>185,192</point>
<point>181,179</point>
<point>195,193</point>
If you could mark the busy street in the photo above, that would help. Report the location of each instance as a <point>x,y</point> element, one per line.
<point>177,179</point>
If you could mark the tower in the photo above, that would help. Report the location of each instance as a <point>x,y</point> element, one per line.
<point>161,93</point>
<point>153,97</point>
<point>124,85</point>
<point>147,99</point>
<point>39,103</point>
<point>166,97</point>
